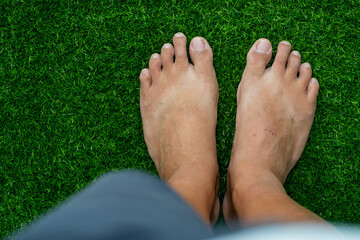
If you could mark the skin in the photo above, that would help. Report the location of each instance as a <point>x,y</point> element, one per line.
<point>276,107</point>
<point>275,113</point>
<point>179,110</point>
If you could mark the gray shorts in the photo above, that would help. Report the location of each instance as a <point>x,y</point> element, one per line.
<point>123,205</point>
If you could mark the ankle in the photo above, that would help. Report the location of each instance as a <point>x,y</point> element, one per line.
<point>198,190</point>
<point>245,175</point>
<point>254,189</point>
<point>251,185</point>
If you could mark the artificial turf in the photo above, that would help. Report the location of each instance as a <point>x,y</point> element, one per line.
<point>69,92</point>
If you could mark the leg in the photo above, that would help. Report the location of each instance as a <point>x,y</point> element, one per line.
<point>125,205</point>
<point>274,116</point>
<point>178,102</point>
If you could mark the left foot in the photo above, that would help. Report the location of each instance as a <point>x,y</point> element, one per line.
<point>178,103</point>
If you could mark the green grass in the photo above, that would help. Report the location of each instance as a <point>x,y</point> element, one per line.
<point>69,92</point>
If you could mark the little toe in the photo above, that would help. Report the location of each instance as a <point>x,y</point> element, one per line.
<point>258,57</point>
<point>282,56</point>
<point>167,56</point>
<point>305,74</point>
<point>293,64</point>
<point>313,90</point>
<point>179,40</point>
<point>201,54</point>
<point>145,80</point>
<point>155,66</point>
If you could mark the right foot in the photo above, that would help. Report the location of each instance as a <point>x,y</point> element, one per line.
<point>275,113</point>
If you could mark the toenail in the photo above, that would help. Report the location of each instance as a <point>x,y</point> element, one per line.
<point>154,55</point>
<point>314,80</point>
<point>167,45</point>
<point>286,43</point>
<point>263,46</point>
<point>307,65</point>
<point>143,72</point>
<point>179,34</point>
<point>296,53</point>
<point>198,44</point>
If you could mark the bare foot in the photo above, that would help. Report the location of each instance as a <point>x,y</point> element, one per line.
<point>275,113</point>
<point>178,102</point>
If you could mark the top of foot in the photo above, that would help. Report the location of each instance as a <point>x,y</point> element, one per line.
<point>276,108</point>
<point>178,102</point>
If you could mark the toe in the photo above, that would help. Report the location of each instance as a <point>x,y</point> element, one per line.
<point>201,54</point>
<point>305,74</point>
<point>179,40</point>
<point>313,90</point>
<point>155,66</point>
<point>258,57</point>
<point>293,64</point>
<point>282,56</point>
<point>145,80</point>
<point>167,56</point>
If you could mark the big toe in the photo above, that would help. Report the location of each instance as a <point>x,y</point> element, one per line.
<point>258,57</point>
<point>201,54</point>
